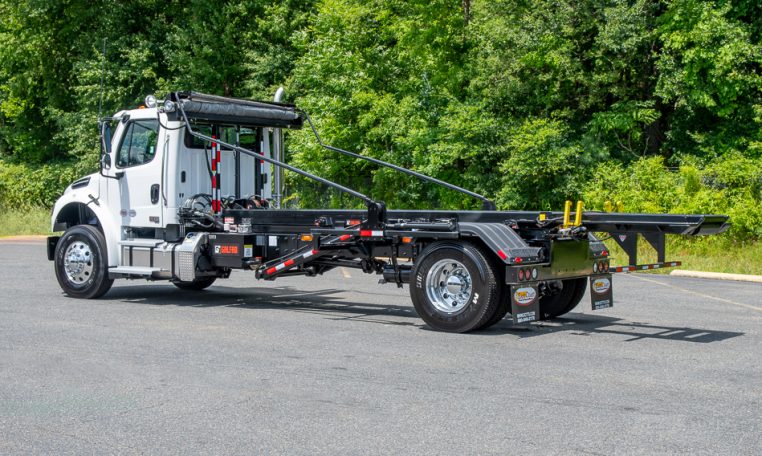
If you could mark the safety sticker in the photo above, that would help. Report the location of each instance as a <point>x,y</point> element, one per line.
<point>226,249</point>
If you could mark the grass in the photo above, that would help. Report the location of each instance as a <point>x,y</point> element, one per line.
<point>706,253</point>
<point>14,222</point>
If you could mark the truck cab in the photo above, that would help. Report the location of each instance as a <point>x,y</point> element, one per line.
<point>151,166</point>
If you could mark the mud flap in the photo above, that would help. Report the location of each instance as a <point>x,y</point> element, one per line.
<point>525,303</point>
<point>601,292</point>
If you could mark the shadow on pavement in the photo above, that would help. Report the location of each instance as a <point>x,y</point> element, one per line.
<point>586,325</point>
<point>330,303</point>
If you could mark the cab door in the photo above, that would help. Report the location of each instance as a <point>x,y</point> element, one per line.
<point>139,158</point>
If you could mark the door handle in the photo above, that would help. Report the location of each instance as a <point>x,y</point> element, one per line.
<point>154,193</point>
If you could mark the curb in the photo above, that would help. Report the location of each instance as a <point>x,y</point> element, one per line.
<point>717,276</point>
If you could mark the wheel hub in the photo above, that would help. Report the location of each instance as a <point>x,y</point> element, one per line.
<point>78,262</point>
<point>448,286</point>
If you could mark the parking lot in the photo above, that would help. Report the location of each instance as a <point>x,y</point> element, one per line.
<point>341,365</point>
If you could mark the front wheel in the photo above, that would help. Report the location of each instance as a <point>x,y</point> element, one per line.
<point>81,263</point>
<point>454,287</point>
<point>197,284</point>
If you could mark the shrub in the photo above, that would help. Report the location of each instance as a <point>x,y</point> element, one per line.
<point>26,186</point>
<point>729,185</point>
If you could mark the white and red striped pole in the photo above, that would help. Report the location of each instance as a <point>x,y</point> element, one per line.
<point>219,179</point>
<point>215,177</point>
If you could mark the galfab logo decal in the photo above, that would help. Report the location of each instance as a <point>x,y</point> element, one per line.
<point>601,286</point>
<point>524,296</point>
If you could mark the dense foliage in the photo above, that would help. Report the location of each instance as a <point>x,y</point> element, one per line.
<point>654,103</point>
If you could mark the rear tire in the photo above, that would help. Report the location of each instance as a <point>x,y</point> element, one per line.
<point>503,307</point>
<point>454,287</point>
<point>81,263</point>
<point>196,285</point>
<point>565,301</point>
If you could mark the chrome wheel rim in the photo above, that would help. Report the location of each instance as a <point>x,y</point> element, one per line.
<point>78,262</point>
<point>449,286</point>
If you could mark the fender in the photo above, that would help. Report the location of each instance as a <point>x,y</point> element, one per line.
<point>89,192</point>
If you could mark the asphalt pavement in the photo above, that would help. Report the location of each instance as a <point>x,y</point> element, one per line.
<point>342,365</point>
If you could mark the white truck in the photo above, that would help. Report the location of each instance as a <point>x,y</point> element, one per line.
<point>189,189</point>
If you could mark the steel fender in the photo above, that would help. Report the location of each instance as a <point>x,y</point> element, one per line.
<point>502,241</point>
<point>91,196</point>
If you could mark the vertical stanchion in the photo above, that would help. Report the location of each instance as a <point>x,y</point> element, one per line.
<point>215,177</point>
<point>219,176</point>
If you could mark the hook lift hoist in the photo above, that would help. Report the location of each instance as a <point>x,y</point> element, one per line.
<point>190,188</point>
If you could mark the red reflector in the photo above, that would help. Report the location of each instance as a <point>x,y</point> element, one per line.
<point>366,233</point>
<point>518,260</point>
<point>271,271</point>
<point>344,237</point>
<point>502,255</point>
<point>314,252</point>
<point>288,263</point>
<point>605,253</point>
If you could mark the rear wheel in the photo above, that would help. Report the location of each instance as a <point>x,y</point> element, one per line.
<point>454,287</point>
<point>564,301</point>
<point>81,263</point>
<point>503,307</point>
<point>196,285</point>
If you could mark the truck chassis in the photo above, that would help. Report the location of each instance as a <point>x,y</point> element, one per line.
<point>466,270</point>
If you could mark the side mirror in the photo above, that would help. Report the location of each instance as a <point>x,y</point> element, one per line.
<point>105,138</point>
<point>105,161</point>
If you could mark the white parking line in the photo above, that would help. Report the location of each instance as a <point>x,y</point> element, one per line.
<point>703,295</point>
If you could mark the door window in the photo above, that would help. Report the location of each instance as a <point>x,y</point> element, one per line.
<point>138,143</point>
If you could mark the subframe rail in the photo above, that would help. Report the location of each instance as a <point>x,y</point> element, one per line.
<point>294,221</point>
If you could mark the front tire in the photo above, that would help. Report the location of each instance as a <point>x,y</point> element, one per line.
<point>81,263</point>
<point>197,284</point>
<point>454,287</point>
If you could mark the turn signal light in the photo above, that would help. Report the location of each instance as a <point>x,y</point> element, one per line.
<point>306,237</point>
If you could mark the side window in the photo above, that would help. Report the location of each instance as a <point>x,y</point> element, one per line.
<point>138,143</point>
